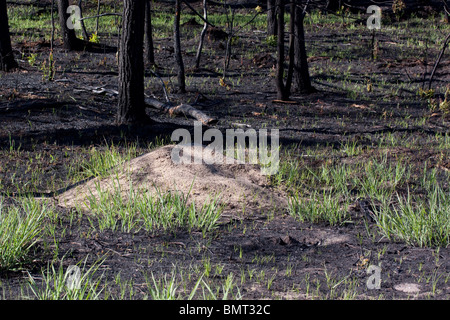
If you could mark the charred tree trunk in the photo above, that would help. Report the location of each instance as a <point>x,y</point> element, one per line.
<point>131,107</point>
<point>150,52</point>
<point>7,62</point>
<point>282,94</point>
<point>177,48</point>
<point>272,24</point>
<point>301,69</point>
<point>70,40</point>
<point>291,52</point>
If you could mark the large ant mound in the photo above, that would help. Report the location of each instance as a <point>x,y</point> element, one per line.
<point>238,186</point>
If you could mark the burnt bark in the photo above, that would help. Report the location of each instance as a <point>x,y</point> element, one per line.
<point>7,61</point>
<point>131,108</point>
<point>150,51</point>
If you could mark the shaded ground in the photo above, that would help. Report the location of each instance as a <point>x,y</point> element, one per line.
<point>270,254</point>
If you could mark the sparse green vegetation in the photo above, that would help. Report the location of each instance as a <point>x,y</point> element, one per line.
<point>167,211</point>
<point>421,222</point>
<point>58,286</point>
<point>319,208</point>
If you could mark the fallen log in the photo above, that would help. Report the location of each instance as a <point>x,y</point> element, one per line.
<point>183,109</point>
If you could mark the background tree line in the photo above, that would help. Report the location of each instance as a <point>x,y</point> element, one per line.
<point>136,34</point>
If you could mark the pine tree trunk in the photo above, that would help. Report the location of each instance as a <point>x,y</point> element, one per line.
<point>177,48</point>
<point>7,62</point>
<point>131,107</point>
<point>301,69</point>
<point>272,24</point>
<point>149,33</point>
<point>70,40</point>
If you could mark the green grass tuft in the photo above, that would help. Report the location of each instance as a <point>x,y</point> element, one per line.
<point>20,227</point>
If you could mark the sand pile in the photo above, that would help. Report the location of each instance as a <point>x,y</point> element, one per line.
<point>238,185</point>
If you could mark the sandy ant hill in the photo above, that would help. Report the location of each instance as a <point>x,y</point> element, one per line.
<point>237,185</point>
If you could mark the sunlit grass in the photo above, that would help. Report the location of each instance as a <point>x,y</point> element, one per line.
<point>102,160</point>
<point>319,207</point>
<point>162,210</point>
<point>424,222</point>
<point>20,227</point>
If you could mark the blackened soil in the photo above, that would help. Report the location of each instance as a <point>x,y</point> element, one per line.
<point>270,254</point>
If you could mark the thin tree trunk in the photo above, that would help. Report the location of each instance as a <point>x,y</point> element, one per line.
<point>98,13</point>
<point>202,36</point>
<point>52,37</point>
<point>83,26</point>
<point>230,36</point>
<point>272,24</point>
<point>149,33</point>
<point>436,64</point>
<point>177,48</point>
<point>7,61</point>
<point>131,107</point>
<point>291,52</point>
<point>281,92</point>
